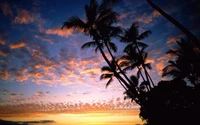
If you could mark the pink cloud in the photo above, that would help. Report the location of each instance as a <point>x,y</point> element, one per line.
<point>60,32</point>
<point>6,9</point>
<point>13,95</point>
<point>124,15</point>
<point>39,94</point>
<point>17,45</point>
<point>44,39</point>
<point>23,17</point>
<point>146,19</point>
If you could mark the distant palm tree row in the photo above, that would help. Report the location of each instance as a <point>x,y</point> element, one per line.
<point>99,26</point>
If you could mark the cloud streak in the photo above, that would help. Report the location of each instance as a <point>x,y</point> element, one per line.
<point>23,17</point>
<point>59,32</point>
<point>17,45</point>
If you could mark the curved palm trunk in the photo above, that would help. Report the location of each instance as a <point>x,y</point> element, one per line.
<point>194,39</point>
<point>143,78</point>
<point>117,64</point>
<point>145,70</point>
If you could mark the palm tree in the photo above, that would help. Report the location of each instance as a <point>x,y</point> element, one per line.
<point>133,37</point>
<point>194,39</point>
<point>98,23</point>
<point>130,90</point>
<point>133,59</point>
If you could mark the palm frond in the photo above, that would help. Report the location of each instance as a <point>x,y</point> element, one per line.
<point>113,46</point>
<point>148,65</point>
<point>97,48</point>
<point>133,31</point>
<point>175,52</point>
<point>134,79</point>
<point>106,68</point>
<point>105,76</point>
<point>124,57</point>
<point>144,35</point>
<point>143,45</point>
<point>109,81</point>
<point>139,73</point>
<point>89,44</point>
<point>124,63</point>
<point>75,23</point>
<point>91,12</point>
<point>115,32</point>
<point>109,18</point>
<point>124,39</point>
<point>171,70</point>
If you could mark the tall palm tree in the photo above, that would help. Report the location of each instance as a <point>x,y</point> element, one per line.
<point>133,59</point>
<point>133,37</point>
<point>98,19</point>
<point>194,39</point>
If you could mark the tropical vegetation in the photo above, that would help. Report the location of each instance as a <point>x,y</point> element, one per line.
<point>167,102</point>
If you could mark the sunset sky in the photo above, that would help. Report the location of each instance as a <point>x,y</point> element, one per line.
<point>44,72</point>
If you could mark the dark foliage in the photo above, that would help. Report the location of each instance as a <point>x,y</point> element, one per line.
<point>171,103</point>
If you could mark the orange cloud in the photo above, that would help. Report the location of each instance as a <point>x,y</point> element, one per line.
<point>6,9</point>
<point>155,13</point>
<point>171,40</point>
<point>63,107</point>
<point>159,67</point>
<point>2,42</point>
<point>17,45</point>
<point>36,74</point>
<point>4,74</point>
<point>23,17</point>
<point>21,76</point>
<point>59,32</point>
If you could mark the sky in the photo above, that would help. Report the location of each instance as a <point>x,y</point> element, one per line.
<point>44,71</point>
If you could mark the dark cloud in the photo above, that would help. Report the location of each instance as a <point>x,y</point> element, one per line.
<point>4,122</point>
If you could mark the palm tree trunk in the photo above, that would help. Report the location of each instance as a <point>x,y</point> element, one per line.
<point>143,78</point>
<point>117,64</point>
<point>135,93</point>
<point>194,39</point>
<point>145,70</point>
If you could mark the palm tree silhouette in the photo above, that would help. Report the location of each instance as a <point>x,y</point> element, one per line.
<point>133,59</point>
<point>186,65</point>
<point>98,26</point>
<point>133,37</point>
